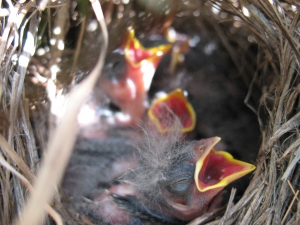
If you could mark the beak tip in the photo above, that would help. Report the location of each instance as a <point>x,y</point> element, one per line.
<point>217,139</point>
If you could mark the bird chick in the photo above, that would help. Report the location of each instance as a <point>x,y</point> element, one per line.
<point>171,182</point>
<point>181,179</point>
<point>94,167</point>
<point>128,73</point>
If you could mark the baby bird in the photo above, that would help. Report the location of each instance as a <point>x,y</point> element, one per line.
<point>154,178</point>
<point>180,179</point>
<point>128,73</point>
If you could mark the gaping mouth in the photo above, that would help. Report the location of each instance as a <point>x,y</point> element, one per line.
<point>135,53</point>
<point>216,169</point>
<point>170,107</point>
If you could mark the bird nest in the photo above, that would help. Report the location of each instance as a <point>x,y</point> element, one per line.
<point>261,37</point>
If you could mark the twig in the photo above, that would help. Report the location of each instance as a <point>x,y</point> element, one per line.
<point>229,206</point>
<point>287,126</point>
<point>291,187</point>
<point>207,216</point>
<point>289,149</point>
<point>291,165</point>
<point>13,108</point>
<point>290,206</point>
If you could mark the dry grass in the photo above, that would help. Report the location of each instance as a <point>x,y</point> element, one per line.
<point>273,200</point>
<point>273,194</point>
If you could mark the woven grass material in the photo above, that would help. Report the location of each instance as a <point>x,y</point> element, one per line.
<point>272,196</point>
<point>272,76</point>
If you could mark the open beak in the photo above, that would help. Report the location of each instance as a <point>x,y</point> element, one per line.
<point>135,52</point>
<point>129,92</point>
<point>142,62</point>
<point>217,169</point>
<point>164,110</point>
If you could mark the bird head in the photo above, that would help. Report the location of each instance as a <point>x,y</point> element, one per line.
<point>128,74</point>
<point>194,184</point>
<point>183,179</point>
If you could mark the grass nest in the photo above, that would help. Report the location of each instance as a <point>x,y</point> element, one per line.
<point>261,37</point>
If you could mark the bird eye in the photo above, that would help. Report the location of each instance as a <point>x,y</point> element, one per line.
<point>180,177</point>
<point>114,66</point>
<point>180,186</point>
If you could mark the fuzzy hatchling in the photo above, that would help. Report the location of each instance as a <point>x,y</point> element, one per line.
<point>158,179</point>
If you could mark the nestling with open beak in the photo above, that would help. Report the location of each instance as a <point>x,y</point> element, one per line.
<point>157,179</point>
<point>128,74</point>
<point>176,182</point>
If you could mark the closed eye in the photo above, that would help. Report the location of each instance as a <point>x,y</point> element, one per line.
<point>180,177</point>
<point>180,186</point>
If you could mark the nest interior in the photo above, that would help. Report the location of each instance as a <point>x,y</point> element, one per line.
<point>47,49</point>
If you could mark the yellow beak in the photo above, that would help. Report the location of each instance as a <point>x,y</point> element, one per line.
<point>217,169</point>
<point>164,110</point>
<point>135,53</point>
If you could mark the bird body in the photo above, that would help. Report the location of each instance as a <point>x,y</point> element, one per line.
<point>128,84</point>
<point>153,177</point>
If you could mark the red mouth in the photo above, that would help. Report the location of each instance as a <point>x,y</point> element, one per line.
<point>170,107</point>
<point>135,53</point>
<point>217,169</point>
